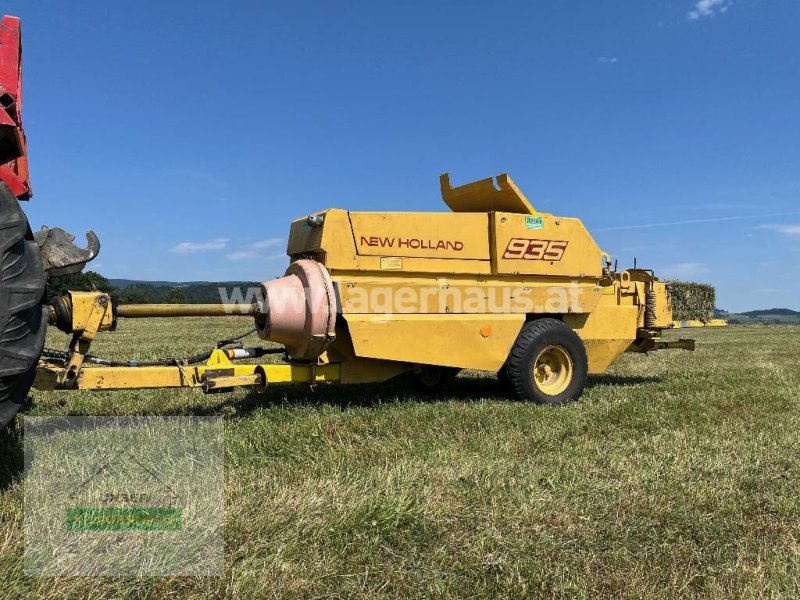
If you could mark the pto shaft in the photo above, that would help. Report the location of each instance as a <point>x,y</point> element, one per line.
<point>142,311</point>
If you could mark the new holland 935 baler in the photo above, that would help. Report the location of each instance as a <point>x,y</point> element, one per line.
<point>492,285</point>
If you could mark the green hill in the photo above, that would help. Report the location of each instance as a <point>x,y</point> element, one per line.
<point>778,316</point>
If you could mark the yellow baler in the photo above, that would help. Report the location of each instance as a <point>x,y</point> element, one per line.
<point>457,289</point>
<point>491,285</point>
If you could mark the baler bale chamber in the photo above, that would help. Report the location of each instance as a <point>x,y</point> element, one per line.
<point>492,285</point>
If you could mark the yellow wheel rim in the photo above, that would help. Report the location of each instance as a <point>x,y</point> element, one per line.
<point>552,371</point>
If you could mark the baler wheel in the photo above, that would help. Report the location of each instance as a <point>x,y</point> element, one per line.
<point>22,319</point>
<point>547,364</point>
<point>432,380</point>
<point>502,376</point>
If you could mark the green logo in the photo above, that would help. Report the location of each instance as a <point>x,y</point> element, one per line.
<point>123,519</point>
<point>534,223</point>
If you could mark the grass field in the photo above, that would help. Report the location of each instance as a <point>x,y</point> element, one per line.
<point>678,474</point>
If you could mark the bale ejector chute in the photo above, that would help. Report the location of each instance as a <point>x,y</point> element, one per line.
<point>492,285</point>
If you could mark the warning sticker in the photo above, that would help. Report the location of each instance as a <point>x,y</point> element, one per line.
<point>534,223</point>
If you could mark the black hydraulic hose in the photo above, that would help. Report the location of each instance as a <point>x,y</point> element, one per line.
<point>63,356</point>
<point>55,354</point>
<point>223,343</point>
<point>97,360</point>
<point>163,362</point>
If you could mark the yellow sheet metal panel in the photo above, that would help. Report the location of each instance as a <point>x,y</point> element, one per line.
<point>602,353</point>
<point>365,370</point>
<point>544,245</point>
<point>663,312</point>
<point>465,341</point>
<point>484,196</point>
<point>302,239</point>
<point>87,308</point>
<point>329,239</point>
<point>422,235</point>
<point>361,294</point>
<point>606,332</point>
<point>340,266</point>
<point>333,242</point>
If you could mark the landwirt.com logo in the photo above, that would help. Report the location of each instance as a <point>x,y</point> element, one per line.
<point>124,496</point>
<point>150,506</point>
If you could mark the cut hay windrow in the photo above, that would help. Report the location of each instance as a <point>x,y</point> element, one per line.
<point>691,300</point>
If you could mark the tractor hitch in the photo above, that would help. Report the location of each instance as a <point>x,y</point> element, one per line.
<point>60,254</point>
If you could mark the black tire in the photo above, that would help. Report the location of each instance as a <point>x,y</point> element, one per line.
<point>537,343</point>
<point>502,376</point>
<point>432,380</point>
<point>23,322</point>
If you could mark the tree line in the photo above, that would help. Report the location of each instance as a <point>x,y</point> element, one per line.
<point>145,293</point>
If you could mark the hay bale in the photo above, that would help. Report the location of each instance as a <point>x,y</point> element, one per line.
<point>691,300</point>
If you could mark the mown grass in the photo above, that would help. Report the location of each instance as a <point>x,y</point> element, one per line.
<point>678,474</point>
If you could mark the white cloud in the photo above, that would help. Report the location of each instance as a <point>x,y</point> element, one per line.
<point>792,230</point>
<point>608,60</point>
<point>254,251</point>
<point>243,255</point>
<point>708,8</point>
<point>268,243</point>
<point>192,247</point>
<point>253,255</point>
<point>697,221</point>
<point>681,270</point>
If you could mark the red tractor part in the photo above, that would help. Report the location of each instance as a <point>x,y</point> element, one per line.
<point>59,254</point>
<point>13,149</point>
<point>25,259</point>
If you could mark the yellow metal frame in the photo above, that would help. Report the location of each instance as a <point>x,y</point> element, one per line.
<point>697,323</point>
<point>216,374</point>
<point>92,312</point>
<point>483,195</point>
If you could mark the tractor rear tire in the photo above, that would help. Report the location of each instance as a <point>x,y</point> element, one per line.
<point>23,322</point>
<point>547,364</point>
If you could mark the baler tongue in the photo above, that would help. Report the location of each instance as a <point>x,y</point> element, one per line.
<point>484,196</point>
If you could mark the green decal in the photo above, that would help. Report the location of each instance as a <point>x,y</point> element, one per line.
<point>123,519</point>
<point>534,223</point>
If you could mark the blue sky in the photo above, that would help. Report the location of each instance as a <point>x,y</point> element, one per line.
<point>189,134</point>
